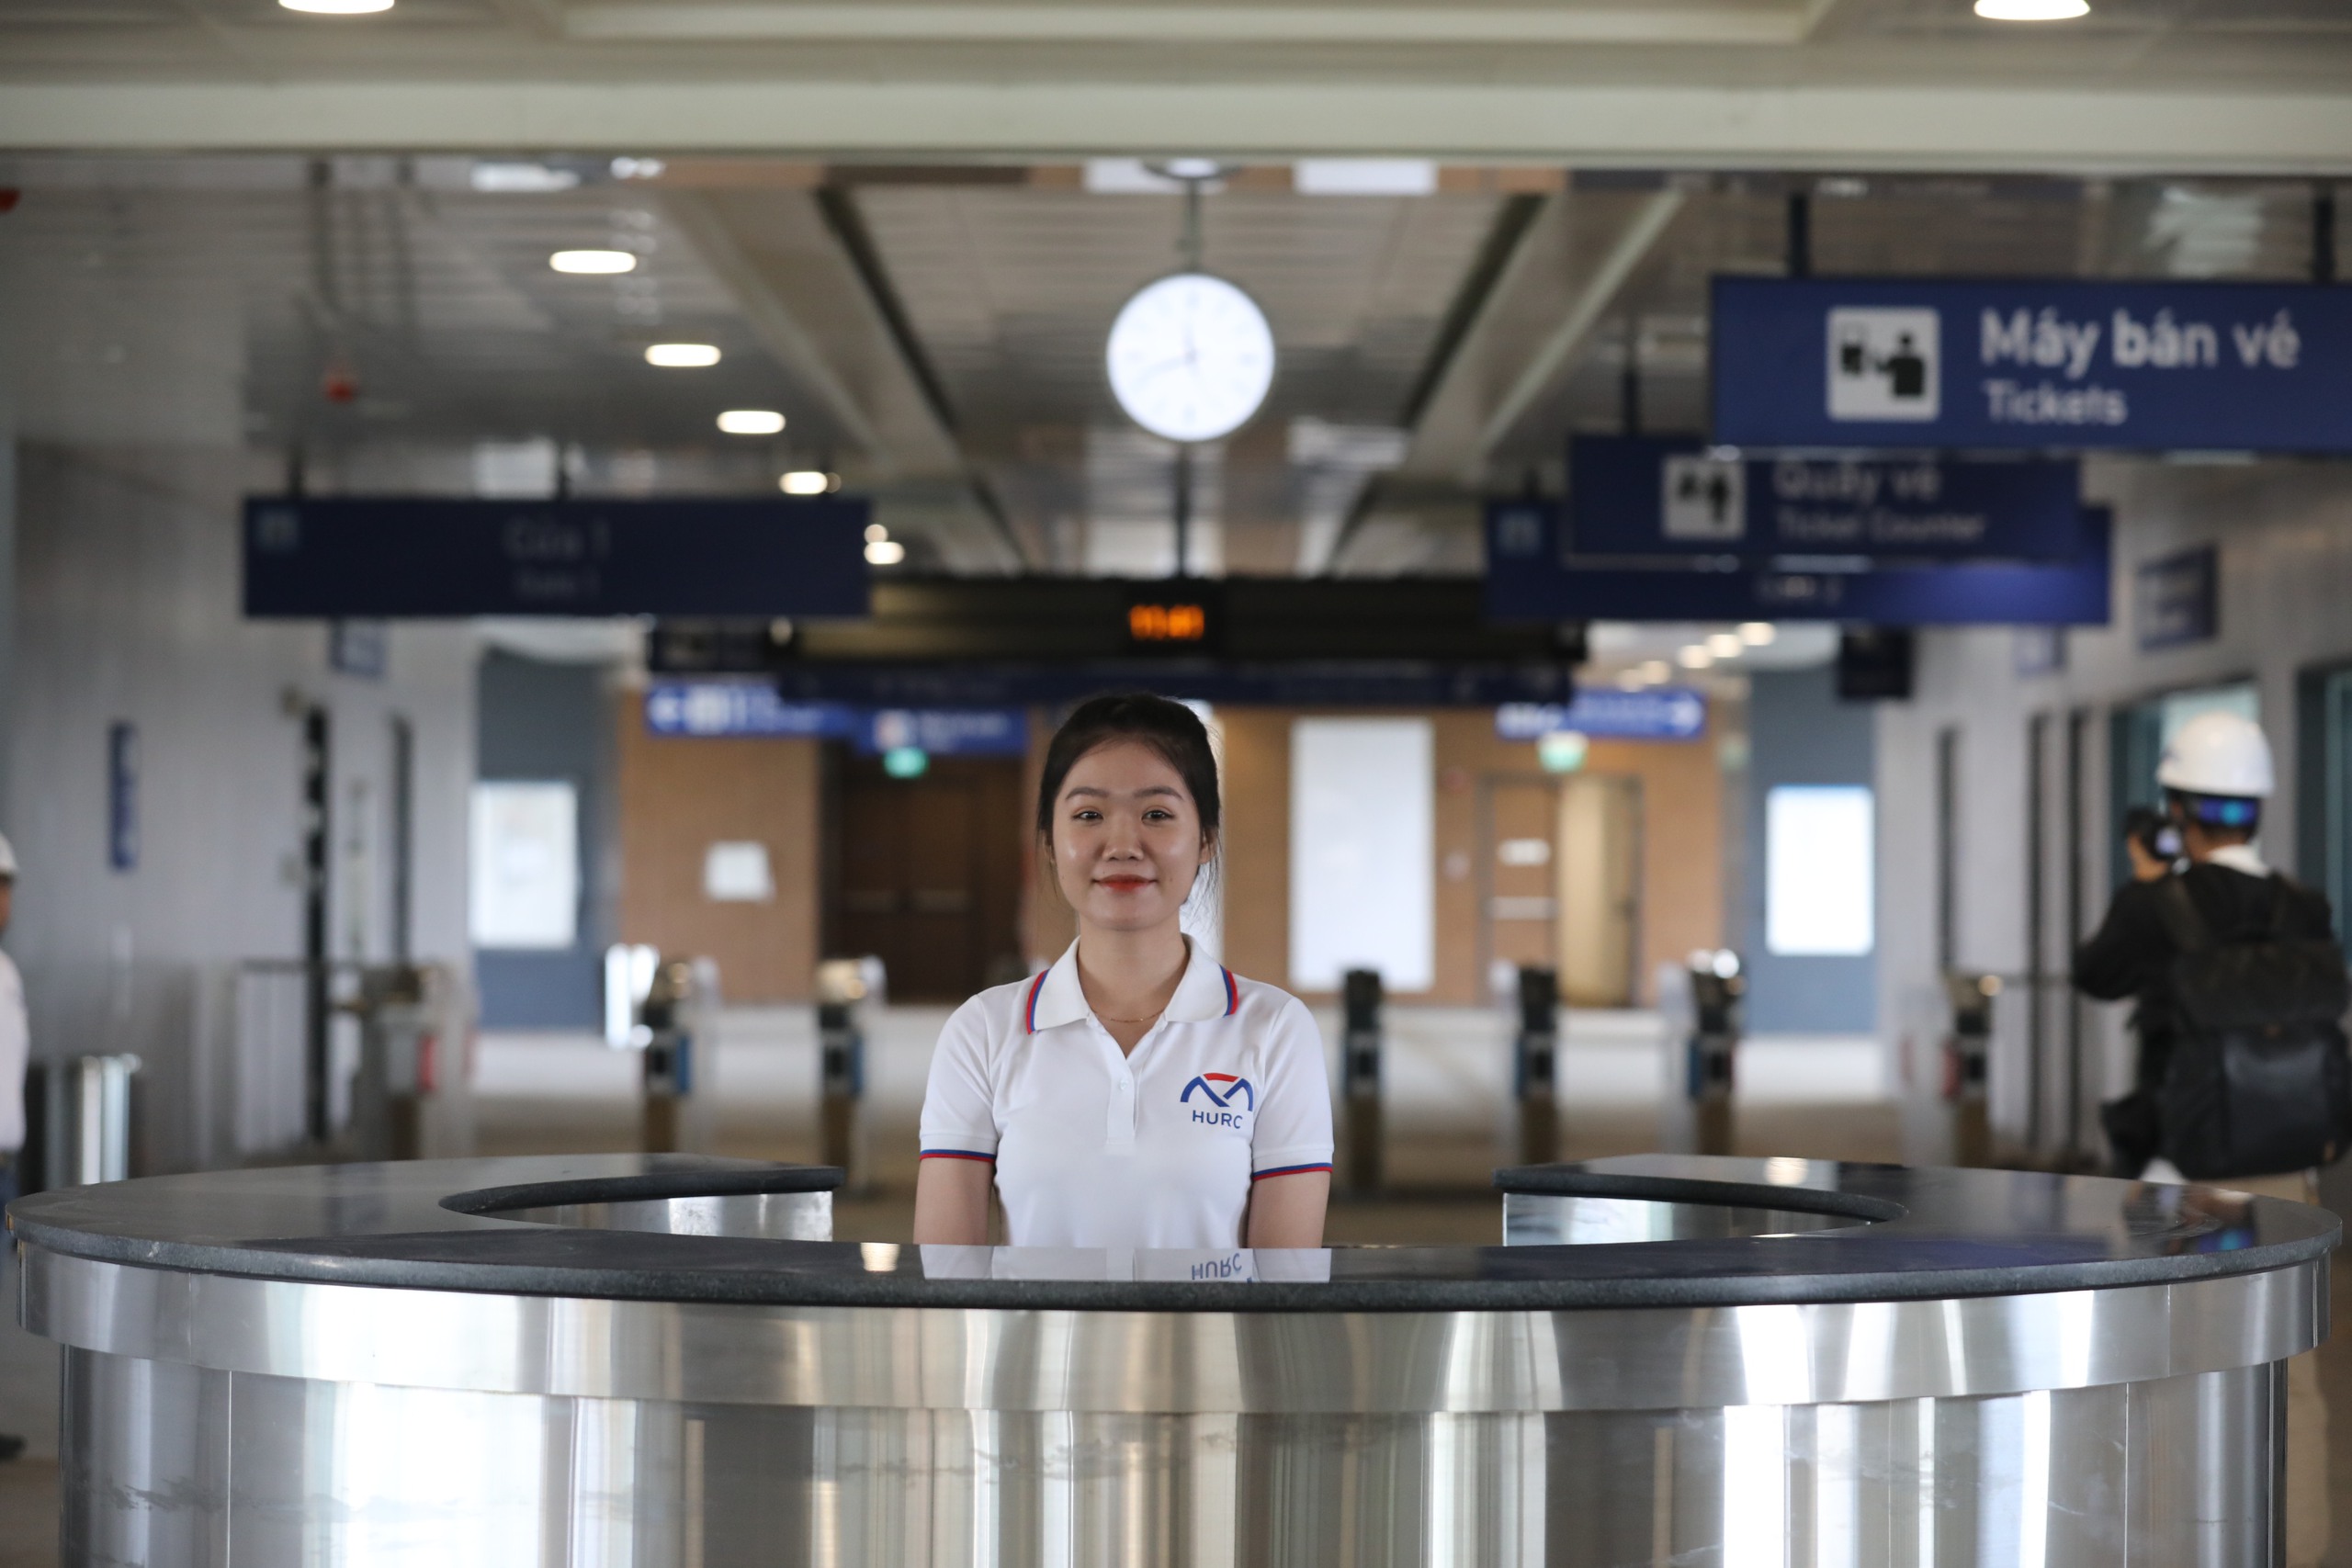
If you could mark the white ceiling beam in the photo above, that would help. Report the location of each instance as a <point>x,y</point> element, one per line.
<point>540,18</point>
<point>1554,357</point>
<point>2059,130</point>
<point>773,322</point>
<point>882,20</point>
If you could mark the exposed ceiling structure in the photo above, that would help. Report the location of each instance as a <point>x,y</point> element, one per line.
<point>2174,87</point>
<point>935,332</point>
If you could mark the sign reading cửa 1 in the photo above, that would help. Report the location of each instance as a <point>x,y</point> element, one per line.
<point>2063,365</point>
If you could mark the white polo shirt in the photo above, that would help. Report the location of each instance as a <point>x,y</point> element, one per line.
<point>1156,1149</point>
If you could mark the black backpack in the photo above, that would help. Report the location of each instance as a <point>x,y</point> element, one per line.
<point>2260,1082</point>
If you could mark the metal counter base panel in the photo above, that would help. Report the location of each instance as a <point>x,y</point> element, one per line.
<point>168,1465</point>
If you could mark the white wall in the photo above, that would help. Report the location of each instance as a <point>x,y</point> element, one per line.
<point>2285,532</point>
<point>121,364</point>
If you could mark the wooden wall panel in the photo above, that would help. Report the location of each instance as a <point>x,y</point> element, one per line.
<point>1682,871</point>
<point>678,795</point>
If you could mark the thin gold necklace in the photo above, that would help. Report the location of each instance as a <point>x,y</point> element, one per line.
<point>1147,1017</point>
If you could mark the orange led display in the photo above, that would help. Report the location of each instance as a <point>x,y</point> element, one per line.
<point>1167,622</point>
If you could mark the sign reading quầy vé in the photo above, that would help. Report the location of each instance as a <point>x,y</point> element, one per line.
<point>1643,495</point>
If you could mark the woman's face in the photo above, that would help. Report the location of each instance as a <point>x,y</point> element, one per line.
<point>1127,838</point>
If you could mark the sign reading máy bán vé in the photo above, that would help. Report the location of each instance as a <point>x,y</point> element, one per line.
<point>2062,364</point>
<point>1528,580</point>
<point>341,556</point>
<point>1652,495</point>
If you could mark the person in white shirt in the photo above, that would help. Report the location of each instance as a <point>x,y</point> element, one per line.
<point>1135,1094</point>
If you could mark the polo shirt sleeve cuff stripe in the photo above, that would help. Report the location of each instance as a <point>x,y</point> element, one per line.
<point>956,1154</point>
<point>1288,1170</point>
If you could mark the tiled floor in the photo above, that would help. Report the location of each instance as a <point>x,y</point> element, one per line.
<point>556,1095</point>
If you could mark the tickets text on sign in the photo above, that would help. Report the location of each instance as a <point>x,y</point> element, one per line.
<point>2060,365</point>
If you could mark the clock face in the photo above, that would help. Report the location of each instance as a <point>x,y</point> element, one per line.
<point>1191,358</point>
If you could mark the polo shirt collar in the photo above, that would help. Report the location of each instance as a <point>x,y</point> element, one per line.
<point>1056,997</point>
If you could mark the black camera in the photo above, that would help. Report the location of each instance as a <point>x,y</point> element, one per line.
<point>2155,831</point>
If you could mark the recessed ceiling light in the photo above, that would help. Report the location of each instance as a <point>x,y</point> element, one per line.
<point>681,356</point>
<point>751,421</point>
<point>1655,670</point>
<point>807,481</point>
<point>337,7</point>
<point>1757,634</point>
<point>885,552</point>
<point>529,179</point>
<point>1724,644</point>
<point>2032,10</point>
<point>1694,657</point>
<point>876,533</point>
<point>592,261</point>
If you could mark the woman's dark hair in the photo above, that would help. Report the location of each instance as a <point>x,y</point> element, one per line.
<point>1169,728</point>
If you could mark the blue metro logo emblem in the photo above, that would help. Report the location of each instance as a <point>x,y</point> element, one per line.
<point>1223,1099</point>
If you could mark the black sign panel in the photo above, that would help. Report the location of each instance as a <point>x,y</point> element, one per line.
<point>351,557</point>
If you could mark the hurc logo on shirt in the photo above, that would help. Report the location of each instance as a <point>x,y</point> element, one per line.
<point>1222,1115</point>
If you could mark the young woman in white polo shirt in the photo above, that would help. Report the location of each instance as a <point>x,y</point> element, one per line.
<point>1137,1094</point>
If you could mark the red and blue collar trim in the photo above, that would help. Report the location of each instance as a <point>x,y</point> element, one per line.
<point>1029,1002</point>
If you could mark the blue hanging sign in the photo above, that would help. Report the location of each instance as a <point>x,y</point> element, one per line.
<point>947,732</point>
<point>2176,599</point>
<point>711,709</point>
<point>1647,496</point>
<point>345,558</point>
<point>2062,365</point>
<point>1661,713</point>
<point>1527,579</point>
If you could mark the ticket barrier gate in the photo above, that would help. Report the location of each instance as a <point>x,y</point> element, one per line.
<point>1967,1051</point>
<point>78,1123</point>
<point>1717,988</point>
<point>412,1097</point>
<point>841,987</point>
<point>1359,1053</point>
<point>1534,1065</point>
<point>676,1033</point>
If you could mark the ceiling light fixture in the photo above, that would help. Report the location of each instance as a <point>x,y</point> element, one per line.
<point>1654,672</point>
<point>885,552</point>
<point>751,421</point>
<point>593,262</point>
<point>681,356</point>
<point>2032,10</point>
<point>1726,645</point>
<point>876,533</point>
<point>1694,657</point>
<point>337,7</point>
<point>1757,634</point>
<point>809,481</point>
<point>520,179</point>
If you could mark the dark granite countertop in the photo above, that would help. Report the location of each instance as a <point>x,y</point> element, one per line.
<point>1916,1234</point>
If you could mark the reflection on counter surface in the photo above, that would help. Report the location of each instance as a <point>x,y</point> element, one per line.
<point>653,1359</point>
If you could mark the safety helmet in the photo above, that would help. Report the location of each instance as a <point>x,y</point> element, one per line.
<point>2218,753</point>
<point>7,857</point>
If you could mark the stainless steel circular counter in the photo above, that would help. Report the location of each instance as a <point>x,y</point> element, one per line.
<point>664,1360</point>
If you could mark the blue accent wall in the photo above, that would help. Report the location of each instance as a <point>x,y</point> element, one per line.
<point>1799,733</point>
<point>547,722</point>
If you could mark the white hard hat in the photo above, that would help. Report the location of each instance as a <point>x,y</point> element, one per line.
<point>2218,753</point>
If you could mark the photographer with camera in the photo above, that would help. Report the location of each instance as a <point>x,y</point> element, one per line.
<point>2240,987</point>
